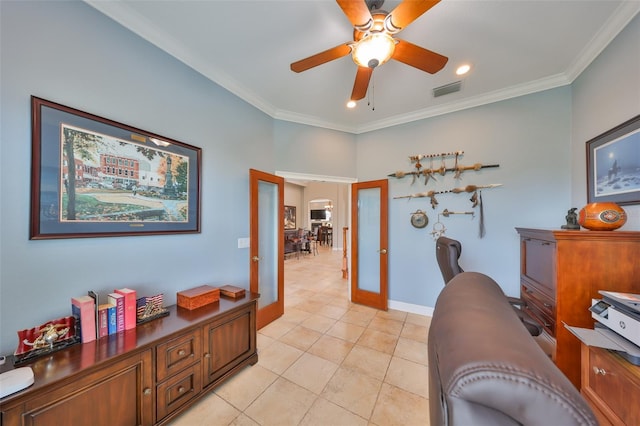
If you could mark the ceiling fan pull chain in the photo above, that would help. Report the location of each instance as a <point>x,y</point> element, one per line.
<point>373,92</point>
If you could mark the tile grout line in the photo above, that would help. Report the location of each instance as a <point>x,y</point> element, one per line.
<point>327,291</point>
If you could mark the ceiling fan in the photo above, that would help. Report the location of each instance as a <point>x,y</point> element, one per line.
<point>373,42</point>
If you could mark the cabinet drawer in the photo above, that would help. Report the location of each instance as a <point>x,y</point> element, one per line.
<point>178,390</point>
<point>546,321</point>
<point>538,264</point>
<point>614,385</point>
<point>177,354</point>
<point>542,301</point>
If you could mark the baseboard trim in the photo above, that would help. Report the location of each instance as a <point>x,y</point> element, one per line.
<point>411,308</point>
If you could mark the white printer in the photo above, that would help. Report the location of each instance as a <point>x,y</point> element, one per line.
<point>617,325</point>
<point>619,312</point>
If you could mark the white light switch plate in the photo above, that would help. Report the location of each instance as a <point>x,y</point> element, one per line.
<point>243,242</point>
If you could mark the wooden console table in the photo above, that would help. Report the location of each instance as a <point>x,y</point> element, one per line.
<point>143,376</point>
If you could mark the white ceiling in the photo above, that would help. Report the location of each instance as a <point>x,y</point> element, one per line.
<point>515,47</point>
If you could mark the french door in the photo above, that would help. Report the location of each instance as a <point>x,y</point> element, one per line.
<point>369,242</point>
<point>266,247</point>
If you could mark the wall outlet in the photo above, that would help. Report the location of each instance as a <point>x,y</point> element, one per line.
<point>243,242</point>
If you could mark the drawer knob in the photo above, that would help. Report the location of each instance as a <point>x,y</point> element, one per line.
<point>600,371</point>
<point>182,352</point>
<point>547,305</point>
<point>147,391</point>
<point>181,389</point>
<point>207,355</point>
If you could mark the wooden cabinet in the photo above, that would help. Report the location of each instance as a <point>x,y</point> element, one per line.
<point>611,385</point>
<point>561,271</point>
<point>143,376</point>
<point>227,344</point>
<point>119,393</point>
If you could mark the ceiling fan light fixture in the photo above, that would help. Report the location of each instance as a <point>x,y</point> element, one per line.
<point>373,50</point>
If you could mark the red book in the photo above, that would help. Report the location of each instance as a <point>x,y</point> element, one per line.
<point>117,300</point>
<point>129,307</point>
<point>103,320</point>
<point>83,308</point>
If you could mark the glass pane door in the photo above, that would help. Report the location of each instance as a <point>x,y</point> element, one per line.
<point>369,220</point>
<point>369,239</point>
<point>267,242</point>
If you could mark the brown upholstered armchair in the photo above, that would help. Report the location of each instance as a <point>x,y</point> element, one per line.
<point>448,252</point>
<point>486,370</point>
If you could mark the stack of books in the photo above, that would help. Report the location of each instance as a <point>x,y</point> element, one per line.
<point>95,320</point>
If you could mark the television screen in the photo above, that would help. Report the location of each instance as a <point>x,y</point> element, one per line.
<point>318,214</point>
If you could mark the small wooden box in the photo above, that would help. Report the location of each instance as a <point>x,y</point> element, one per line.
<point>232,291</point>
<point>198,296</point>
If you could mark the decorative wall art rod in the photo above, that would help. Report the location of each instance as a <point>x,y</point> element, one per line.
<point>475,199</point>
<point>447,213</point>
<point>428,173</point>
<point>468,188</point>
<point>419,157</point>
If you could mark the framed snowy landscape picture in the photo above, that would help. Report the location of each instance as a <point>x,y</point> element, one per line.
<point>613,165</point>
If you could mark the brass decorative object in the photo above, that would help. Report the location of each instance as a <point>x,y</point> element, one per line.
<point>48,337</point>
<point>572,219</point>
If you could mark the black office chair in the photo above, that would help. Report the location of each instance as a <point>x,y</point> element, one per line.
<point>448,252</point>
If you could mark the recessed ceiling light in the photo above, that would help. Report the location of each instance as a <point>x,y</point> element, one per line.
<point>463,69</point>
<point>351,104</point>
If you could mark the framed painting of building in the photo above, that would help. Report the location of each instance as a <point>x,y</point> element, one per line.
<point>94,177</point>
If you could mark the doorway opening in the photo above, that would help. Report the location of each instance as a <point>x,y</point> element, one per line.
<point>322,202</point>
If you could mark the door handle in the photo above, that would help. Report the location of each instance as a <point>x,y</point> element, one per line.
<point>256,259</point>
<point>382,251</point>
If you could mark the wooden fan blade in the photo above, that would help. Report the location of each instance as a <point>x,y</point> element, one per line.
<point>407,12</point>
<point>362,83</point>
<point>419,57</point>
<point>321,58</point>
<point>358,13</point>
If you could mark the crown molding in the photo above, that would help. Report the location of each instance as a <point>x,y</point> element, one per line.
<point>130,19</point>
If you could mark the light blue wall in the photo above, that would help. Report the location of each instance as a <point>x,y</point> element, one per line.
<point>313,150</point>
<point>69,53</point>
<point>526,136</point>
<point>605,95</point>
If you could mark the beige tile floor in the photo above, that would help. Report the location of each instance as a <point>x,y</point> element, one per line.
<point>326,361</point>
